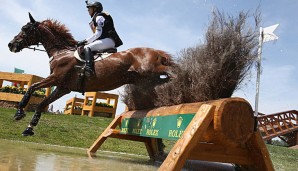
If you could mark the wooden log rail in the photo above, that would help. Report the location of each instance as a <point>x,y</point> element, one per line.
<point>278,124</point>
<point>219,131</point>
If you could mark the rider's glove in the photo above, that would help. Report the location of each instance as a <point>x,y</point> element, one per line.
<point>83,42</point>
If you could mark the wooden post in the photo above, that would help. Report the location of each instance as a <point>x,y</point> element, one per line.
<point>259,153</point>
<point>22,84</point>
<point>30,82</point>
<point>115,106</point>
<point>48,91</point>
<point>69,102</point>
<point>296,137</point>
<point>189,139</point>
<point>73,100</point>
<point>101,139</point>
<point>84,104</point>
<point>93,105</point>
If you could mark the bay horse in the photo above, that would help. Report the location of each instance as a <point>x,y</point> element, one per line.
<point>126,67</point>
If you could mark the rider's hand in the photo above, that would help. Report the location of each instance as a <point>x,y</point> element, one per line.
<point>80,43</point>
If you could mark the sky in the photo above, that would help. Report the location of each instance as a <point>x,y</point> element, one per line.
<point>169,25</point>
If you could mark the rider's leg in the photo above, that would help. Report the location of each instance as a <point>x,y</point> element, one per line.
<point>97,45</point>
<point>101,44</point>
<point>89,70</point>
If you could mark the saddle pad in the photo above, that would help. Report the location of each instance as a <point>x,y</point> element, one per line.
<point>100,57</point>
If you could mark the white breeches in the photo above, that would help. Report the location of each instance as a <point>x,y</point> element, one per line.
<point>101,44</point>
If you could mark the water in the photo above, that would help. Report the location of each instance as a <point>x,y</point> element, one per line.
<point>21,156</point>
<point>24,156</point>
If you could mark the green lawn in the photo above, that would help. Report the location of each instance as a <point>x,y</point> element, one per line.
<point>82,131</point>
<point>65,130</point>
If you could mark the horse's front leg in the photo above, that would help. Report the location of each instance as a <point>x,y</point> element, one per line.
<point>20,114</point>
<point>47,82</point>
<point>58,92</point>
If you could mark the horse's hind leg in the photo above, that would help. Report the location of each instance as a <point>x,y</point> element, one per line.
<point>58,92</point>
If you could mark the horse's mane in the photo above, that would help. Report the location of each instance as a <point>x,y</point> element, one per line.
<point>60,30</point>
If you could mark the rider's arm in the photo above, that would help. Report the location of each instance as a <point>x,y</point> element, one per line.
<point>98,30</point>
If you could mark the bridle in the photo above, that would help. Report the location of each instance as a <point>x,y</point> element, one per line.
<point>35,29</point>
<point>35,33</point>
<point>32,28</point>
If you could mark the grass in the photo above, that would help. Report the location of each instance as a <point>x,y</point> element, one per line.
<point>65,130</point>
<point>284,158</point>
<point>82,131</point>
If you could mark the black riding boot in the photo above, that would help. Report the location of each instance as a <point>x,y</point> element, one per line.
<point>89,69</point>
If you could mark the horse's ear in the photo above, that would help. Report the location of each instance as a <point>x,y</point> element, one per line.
<point>31,18</point>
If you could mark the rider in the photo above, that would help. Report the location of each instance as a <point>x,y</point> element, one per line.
<point>104,35</point>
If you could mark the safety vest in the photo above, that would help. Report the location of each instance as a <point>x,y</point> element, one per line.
<point>108,30</point>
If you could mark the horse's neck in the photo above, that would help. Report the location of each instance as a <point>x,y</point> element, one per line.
<point>53,47</point>
<point>53,43</point>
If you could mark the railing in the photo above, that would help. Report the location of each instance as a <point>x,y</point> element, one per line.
<point>278,124</point>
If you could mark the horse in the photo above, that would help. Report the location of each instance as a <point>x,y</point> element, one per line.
<point>125,67</point>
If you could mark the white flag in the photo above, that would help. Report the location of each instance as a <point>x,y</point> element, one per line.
<point>268,33</point>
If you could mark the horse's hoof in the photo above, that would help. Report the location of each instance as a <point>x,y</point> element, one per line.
<point>28,132</point>
<point>19,115</point>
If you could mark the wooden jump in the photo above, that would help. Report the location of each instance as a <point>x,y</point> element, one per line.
<point>25,81</point>
<point>91,100</point>
<point>219,131</point>
<point>74,106</point>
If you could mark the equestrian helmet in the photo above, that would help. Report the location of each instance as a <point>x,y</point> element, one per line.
<point>95,4</point>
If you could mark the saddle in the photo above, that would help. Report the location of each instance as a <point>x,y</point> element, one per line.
<point>97,55</point>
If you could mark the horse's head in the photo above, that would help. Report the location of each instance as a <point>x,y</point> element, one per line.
<point>29,35</point>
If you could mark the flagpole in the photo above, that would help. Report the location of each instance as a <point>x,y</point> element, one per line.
<point>261,37</point>
<point>266,34</point>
